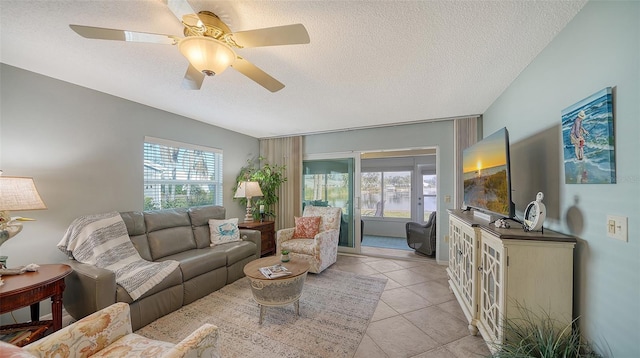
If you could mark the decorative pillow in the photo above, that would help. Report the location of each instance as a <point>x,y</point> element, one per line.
<point>306,227</point>
<point>223,231</point>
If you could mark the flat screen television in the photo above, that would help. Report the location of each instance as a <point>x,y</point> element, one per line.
<point>487,177</point>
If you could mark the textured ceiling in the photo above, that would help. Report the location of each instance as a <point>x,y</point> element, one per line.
<point>369,63</point>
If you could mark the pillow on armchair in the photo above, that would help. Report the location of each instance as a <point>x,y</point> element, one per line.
<point>307,227</point>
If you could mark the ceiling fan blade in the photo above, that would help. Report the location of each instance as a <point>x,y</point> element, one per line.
<point>123,35</point>
<point>180,8</point>
<point>259,76</point>
<point>192,79</point>
<point>272,36</point>
<point>192,20</point>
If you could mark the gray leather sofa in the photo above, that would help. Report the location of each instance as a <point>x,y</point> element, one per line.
<point>170,234</point>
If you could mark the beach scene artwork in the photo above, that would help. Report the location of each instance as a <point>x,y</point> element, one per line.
<point>588,140</point>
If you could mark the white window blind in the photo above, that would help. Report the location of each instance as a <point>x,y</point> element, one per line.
<point>180,175</point>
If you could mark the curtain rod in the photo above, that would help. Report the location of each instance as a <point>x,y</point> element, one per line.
<point>376,126</point>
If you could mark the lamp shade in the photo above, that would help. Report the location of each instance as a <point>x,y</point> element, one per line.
<point>19,193</point>
<point>206,54</point>
<point>248,189</point>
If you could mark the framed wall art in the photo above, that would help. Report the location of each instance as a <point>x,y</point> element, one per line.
<point>588,139</point>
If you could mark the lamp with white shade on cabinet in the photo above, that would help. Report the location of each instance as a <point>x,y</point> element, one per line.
<point>248,189</point>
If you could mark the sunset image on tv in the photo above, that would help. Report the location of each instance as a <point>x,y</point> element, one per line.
<point>485,174</point>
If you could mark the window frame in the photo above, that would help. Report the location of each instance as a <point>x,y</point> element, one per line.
<point>211,159</point>
<point>381,173</point>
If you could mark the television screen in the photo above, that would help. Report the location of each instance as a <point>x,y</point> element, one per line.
<point>486,175</point>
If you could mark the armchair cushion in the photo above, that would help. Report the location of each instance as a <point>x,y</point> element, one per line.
<point>300,246</point>
<point>307,227</point>
<point>134,345</point>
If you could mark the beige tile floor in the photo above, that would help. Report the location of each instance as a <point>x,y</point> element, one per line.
<point>417,315</point>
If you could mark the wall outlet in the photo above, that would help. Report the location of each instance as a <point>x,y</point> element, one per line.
<point>446,238</point>
<point>617,227</point>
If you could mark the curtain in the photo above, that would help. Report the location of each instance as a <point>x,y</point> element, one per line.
<point>466,133</point>
<point>286,151</point>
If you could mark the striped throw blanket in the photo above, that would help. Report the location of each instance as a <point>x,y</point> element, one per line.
<point>102,240</point>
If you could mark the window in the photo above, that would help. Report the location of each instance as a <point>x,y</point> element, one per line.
<point>429,190</point>
<point>180,175</point>
<point>386,194</point>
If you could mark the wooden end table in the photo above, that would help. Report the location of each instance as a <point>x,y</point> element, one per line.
<point>267,235</point>
<point>28,289</point>
<point>277,291</point>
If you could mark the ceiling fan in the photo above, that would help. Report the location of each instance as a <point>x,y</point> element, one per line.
<point>209,44</point>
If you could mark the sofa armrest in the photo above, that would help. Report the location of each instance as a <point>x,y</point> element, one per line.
<point>203,342</point>
<point>88,335</point>
<point>254,236</point>
<point>88,289</point>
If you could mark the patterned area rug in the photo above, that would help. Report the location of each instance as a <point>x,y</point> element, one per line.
<point>335,309</point>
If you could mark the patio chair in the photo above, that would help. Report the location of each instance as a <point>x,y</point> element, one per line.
<point>422,237</point>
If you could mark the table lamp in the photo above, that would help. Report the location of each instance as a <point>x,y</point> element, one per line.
<point>16,193</point>
<point>248,189</point>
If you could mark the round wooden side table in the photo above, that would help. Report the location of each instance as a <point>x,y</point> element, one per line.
<point>28,289</point>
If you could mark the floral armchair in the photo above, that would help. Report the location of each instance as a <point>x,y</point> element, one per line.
<point>321,250</point>
<point>108,333</point>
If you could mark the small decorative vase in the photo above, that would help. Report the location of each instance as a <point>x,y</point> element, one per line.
<point>284,257</point>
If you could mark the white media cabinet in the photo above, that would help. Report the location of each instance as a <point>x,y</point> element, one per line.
<point>492,271</point>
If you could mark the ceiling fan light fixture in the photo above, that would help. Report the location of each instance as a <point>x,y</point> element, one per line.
<point>206,54</point>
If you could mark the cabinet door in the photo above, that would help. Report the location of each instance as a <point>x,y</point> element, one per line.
<point>492,286</point>
<point>454,252</point>
<point>462,266</point>
<point>467,252</point>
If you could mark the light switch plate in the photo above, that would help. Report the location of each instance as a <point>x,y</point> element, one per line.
<point>617,227</point>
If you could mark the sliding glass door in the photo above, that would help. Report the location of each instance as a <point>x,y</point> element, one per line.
<point>329,181</point>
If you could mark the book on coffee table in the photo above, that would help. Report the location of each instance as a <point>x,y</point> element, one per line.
<point>275,271</point>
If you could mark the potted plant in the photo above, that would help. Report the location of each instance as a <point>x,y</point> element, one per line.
<point>538,335</point>
<point>270,178</point>
<point>285,255</point>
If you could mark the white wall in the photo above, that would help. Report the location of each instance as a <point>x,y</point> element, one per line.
<point>598,49</point>
<point>84,150</point>
<point>419,135</point>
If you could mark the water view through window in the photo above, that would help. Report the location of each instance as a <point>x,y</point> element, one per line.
<point>386,194</point>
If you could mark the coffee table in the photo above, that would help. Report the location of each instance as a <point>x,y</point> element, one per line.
<point>281,291</point>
